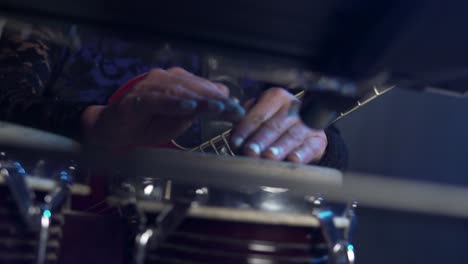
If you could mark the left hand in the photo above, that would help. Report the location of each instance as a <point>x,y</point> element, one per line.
<point>269,131</point>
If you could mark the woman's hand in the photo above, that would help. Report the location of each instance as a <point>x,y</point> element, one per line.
<point>269,131</point>
<point>158,109</point>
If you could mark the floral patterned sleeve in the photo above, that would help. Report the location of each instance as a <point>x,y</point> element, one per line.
<point>28,68</point>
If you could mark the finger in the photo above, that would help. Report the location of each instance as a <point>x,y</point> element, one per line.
<point>223,88</point>
<point>268,104</point>
<point>154,103</point>
<point>197,84</point>
<point>232,110</point>
<point>159,80</point>
<point>248,105</point>
<point>312,150</point>
<point>269,132</point>
<point>183,73</point>
<point>289,140</point>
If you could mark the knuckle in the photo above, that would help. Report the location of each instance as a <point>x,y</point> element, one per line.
<point>316,144</point>
<point>142,86</point>
<point>273,126</point>
<point>177,70</point>
<point>223,88</point>
<point>156,72</point>
<point>257,119</point>
<point>278,92</point>
<point>295,134</point>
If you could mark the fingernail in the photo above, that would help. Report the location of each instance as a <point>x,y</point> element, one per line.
<point>234,107</point>
<point>241,111</point>
<point>298,156</point>
<point>216,106</point>
<point>188,104</point>
<point>238,141</point>
<point>255,148</point>
<point>275,151</point>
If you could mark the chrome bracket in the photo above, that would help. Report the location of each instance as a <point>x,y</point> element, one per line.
<point>341,250</point>
<point>23,197</point>
<point>54,202</point>
<point>166,222</point>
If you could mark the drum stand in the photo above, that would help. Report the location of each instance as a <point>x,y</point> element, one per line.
<point>340,249</point>
<point>37,218</point>
<point>166,222</point>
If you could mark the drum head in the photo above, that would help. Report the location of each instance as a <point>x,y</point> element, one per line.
<point>24,138</point>
<point>231,173</point>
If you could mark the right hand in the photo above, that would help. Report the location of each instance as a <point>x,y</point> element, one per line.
<point>157,109</point>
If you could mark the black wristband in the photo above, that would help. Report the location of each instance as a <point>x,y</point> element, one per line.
<point>336,153</point>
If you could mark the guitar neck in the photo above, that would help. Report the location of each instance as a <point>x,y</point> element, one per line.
<point>220,144</point>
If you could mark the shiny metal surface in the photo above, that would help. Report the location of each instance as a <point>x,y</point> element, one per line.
<point>38,216</point>
<point>141,243</point>
<point>341,251</point>
<point>43,238</point>
<point>23,196</point>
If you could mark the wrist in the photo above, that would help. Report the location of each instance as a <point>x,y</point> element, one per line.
<point>89,120</point>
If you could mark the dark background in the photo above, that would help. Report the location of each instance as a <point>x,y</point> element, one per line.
<point>418,136</point>
<point>403,134</point>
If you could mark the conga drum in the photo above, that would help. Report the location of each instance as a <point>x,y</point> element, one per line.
<point>32,202</point>
<point>201,208</point>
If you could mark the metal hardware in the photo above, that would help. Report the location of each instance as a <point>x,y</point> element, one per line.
<point>54,202</point>
<point>37,218</point>
<point>23,197</point>
<point>166,222</point>
<point>43,237</point>
<point>341,251</point>
<point>141,244</point>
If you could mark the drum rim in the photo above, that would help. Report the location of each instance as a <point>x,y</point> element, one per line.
<point>46,185</point>
<point>240,215</point>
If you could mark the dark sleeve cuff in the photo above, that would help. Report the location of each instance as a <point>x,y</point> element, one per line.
<point>336,153</point>
<point>63,118</point>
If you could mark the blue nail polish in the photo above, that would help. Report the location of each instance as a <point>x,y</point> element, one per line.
<point>188,104</point>
<point>236,109</point>
<point>275,151</point>
<point>255,148</point>
<point>237,141</point>
<point>215,105</point>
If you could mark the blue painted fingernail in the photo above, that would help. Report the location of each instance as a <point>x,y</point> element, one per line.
<point>241,111</point>
<point>298,156</point>
<point>255,148</point>
<point>237,141</point>
<point>275,151</point>
<point>216,106</point>
<point>234,107</point>
<point>188,104</point>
